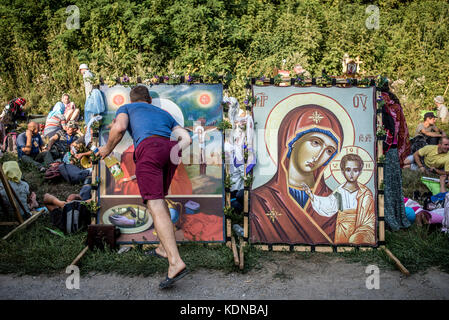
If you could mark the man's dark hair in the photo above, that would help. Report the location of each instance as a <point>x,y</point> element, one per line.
<point>351,157</point>
<point>140,93</point>
<point>429,115</point>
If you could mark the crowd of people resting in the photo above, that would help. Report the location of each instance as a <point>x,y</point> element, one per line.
<point>44,147</point>
<point>430,147</point>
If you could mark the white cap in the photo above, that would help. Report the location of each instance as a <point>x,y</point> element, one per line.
<point>439,99</point>
<point>83,66</point>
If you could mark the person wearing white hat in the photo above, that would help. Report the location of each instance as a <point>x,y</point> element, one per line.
<point>443,113</point>
<point>84,69</point>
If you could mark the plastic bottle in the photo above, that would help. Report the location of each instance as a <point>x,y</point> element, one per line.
<point>113,165</point>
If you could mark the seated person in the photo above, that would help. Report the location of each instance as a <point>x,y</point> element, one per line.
<point>20,187</point>
<point>436,160</point>
<point>55,120</point>
<point>428,130</point>
<point>61,141</point>
<point>13,111</point>
<point>442,111</point>
<point>80,150</point>
<point>29,147</point>
<point>71,112</point>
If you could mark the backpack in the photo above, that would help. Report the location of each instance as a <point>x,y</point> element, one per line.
<point>73,217</point>
<point>52,173</point>
<point>417,143</point>
<point>9,142</point>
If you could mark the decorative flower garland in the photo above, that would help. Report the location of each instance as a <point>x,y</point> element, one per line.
<point>325,80</point>
<point>172,79</point>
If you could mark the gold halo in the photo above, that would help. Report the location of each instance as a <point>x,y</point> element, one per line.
<point>295,100</point>
<point>368,165</point>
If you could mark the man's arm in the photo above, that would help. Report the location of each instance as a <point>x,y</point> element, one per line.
<point>116,134</point>
<point>417,158</point>
<point>433,134</point>
<point>439,171</point>
<point>29,138</point>
<point>52,141</point>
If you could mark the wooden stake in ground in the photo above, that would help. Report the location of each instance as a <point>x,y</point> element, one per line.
<point>9,193</point>
<point>242,257</point>
<point>79,256</point>
<point>24,224</point>
<point>397,262</point>
<point>234,251</point>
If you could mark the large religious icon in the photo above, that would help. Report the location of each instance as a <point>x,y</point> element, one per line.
<point>195,197</point>
<point>317,185</point>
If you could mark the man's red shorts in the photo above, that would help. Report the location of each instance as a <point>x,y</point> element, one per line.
<point>154,168</point>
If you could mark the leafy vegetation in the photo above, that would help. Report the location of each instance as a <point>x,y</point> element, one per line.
<point>40,55</point>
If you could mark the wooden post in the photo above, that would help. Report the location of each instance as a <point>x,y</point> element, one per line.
<point>12,223</point>
<point>380,180</point>
<point>234,251</point>
<point>95,169</point>
<point>24,224</point>
<point>79,256</point>
<point>242,258</point>
<point>228,199</point>
<point>397,262</point>
<point>228,232</point>
<point>9,193</point>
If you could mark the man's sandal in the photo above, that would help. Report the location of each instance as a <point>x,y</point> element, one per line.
<point>168,282</point>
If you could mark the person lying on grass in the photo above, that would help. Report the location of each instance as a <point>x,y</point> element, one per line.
<point>52,202</point>
<point>435,158</point>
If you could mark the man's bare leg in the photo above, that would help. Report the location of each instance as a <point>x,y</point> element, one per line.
<point>51,202</point>
<point>164,228</point>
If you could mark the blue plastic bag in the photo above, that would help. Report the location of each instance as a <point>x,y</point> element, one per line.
<point>94,105</point>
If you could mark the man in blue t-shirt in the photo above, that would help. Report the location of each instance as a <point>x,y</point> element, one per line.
<point>156,157</point>
<point>29,147</point>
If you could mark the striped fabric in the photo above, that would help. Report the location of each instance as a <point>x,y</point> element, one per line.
<point>53,124</point>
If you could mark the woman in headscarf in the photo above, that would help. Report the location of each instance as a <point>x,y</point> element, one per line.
<point>71,112</point>
<point>55,120</point>
<point>309,138</point>
<point>396,148</point>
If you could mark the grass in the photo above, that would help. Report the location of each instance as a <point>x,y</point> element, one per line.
<point>419,248</point>
<point>37,251</point>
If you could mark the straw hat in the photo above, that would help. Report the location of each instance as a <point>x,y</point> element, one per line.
<point>439,99</point>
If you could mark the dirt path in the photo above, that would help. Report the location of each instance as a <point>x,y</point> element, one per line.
<point>286,278</point>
